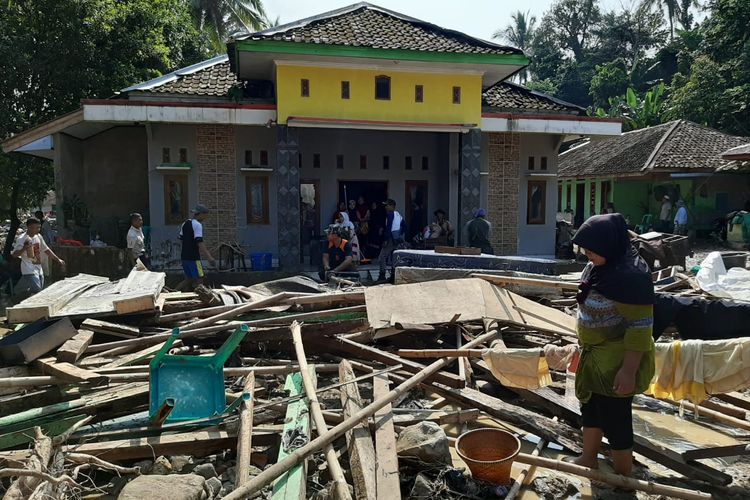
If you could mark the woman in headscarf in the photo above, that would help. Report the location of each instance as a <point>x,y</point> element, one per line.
<point>348,225</point>
<point>615,321</point>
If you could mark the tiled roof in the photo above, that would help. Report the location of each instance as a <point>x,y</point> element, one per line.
<point>675,146</point>
<point>505,96</point>
<point>367,25</point>
<point>213,81</point>
<point>738,153</point>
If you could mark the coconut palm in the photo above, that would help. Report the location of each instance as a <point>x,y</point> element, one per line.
<point>223,18</point>
<point>684,16</point>
<point>672,7</point>
<point>520,34</point>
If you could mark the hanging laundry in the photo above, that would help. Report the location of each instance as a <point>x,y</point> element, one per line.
<point>693,369</point>
<point>521,368</point>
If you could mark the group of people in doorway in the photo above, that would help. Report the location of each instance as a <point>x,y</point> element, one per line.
<point>667,223</point>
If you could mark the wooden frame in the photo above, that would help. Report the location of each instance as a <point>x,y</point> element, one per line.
<point>257,211</point>
<point>304,89</point>
<point>176,199</point>
<point>536,202</point>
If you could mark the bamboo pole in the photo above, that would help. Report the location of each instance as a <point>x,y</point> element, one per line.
<point>337,474</point>
<point>440,353</point>
<point>298,456</point>
<point>526,473</point>
<point>513,280</point>
<point>233,313</point>
<point>712,414</point>
<point>612,479</point>
<point>245,432</point>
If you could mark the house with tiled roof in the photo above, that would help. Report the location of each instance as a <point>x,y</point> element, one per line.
<point>634,171</point>
<point>357,102</point>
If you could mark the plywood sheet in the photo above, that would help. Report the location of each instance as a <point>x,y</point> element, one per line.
<point>472,299</point>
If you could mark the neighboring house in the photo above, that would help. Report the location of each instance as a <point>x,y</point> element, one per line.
<point>357,101</point>
<point>635,170</point>
<point>740,153</point>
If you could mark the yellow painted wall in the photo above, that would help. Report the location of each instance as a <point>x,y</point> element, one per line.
<point>325,96</point>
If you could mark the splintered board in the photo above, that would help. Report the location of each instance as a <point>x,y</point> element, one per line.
<point>447,301</point>
<point>50,301</point>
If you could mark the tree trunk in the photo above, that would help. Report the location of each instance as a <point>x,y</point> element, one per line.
<point>14,222</point>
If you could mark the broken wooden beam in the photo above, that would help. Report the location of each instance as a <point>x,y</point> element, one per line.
<point>69,372</point>
<point>74,348</point>
<point>359,442</point>
<point>387,480</point>
<point>362,351</point>
<point>245,432</point>
<point>298,456</point>
<point>337,473</point>
<point>113,329</point>
<point>291,484</point>
<point>512,280</point>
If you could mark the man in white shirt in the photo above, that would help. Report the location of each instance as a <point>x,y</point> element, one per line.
<point>665,215</point>
<point>681,219</point>
<point>30,247</point>
<point>136,240</point>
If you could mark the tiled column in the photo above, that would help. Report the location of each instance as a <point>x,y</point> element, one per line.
<point>287,182</point>
<point>504,150</point>
<point>471,162</point>
<point>217,177</point>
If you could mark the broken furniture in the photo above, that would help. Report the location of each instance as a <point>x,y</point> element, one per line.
<point>189,387</point>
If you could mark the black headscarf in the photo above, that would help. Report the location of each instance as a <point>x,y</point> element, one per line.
<point>625,277</point>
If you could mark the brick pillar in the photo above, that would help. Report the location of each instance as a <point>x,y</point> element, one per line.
<point>287,183</point>
<point>471,163</point>
<point>217,182</point>
<point>504,150</point>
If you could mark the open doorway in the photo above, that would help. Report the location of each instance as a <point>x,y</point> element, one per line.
<point>373,193</point>
<point>580,204</point>
<point>309,191</point>
<point>415,207</point>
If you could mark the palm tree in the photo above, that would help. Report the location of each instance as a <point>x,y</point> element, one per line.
<point>223,18</point>
<point>684,16</point>
<point>520,34</point>
<point>672,6</point>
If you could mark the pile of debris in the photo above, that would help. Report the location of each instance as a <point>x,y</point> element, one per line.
<point>292,389</point>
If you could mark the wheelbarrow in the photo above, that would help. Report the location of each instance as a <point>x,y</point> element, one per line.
<point>185,388</point>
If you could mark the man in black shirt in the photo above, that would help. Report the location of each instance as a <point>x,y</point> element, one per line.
<point>338,255</point>
<point>191,234</point>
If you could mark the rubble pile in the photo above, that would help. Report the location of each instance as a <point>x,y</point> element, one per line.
<point>291,389</point>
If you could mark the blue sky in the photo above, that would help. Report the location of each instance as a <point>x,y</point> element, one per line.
<point>479,18</point>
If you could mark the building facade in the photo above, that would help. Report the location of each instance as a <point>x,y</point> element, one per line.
<point>360,101</point>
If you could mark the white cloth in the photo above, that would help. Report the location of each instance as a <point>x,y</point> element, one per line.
<point>136,241</point>
<point>714,279</point>
<point>347,223</point>
<point>522,368</point>
<point>31,264</point>
<point>396,226</point>
<point>197,229</point>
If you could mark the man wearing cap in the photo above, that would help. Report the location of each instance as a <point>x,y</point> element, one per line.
<point>338,256</point>
<point>30,247</point>
<point>191,234</point>
<point>478,230</point>
<point>393,235</point>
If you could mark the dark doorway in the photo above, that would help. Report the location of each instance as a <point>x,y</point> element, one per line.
<point>415,207</point>
<point>309,212</point>
<point>580,204</point>
<point>371,191</point>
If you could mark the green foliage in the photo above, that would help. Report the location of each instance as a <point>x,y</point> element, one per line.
<point>546,86</point>
<point>220,19</point>
<point>56,52</point>
<point>636,111</point>
<point>519,34</point>
<point>610,80</point>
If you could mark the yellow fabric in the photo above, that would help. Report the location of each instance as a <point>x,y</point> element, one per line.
<point>694,368</point>
<point>522,368</point>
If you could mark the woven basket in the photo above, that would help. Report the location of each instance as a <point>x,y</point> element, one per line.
<point>489,453</point>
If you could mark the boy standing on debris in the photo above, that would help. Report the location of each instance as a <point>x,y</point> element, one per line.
<point>393,235</point>
<point>615,323</point>
<point>30,247</point>
<point>193,247</point>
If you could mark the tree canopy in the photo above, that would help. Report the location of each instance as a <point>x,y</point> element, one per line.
<point>53,53</point>
<point>609,60</point>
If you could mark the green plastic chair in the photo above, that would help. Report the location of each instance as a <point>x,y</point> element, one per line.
<point>646,223</point>
<point>189,387</point>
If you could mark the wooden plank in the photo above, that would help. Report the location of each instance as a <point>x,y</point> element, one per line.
<point>359,442</point>
<point>198,444</point>
<point>52,299</point>
<point>386,471</point>
<point>725,408</point>
<point>736,399</point>
<point>74,348</point>
<point>141,355</point>
<point>131,305</point>
<point>11,372</point>
<point>512,280</point>
<point>69,372</point>
<point>114,329</point>
<point>292,484</point>
<point>716,452</point>
<point>373,354</point>
<point>245,432</point>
